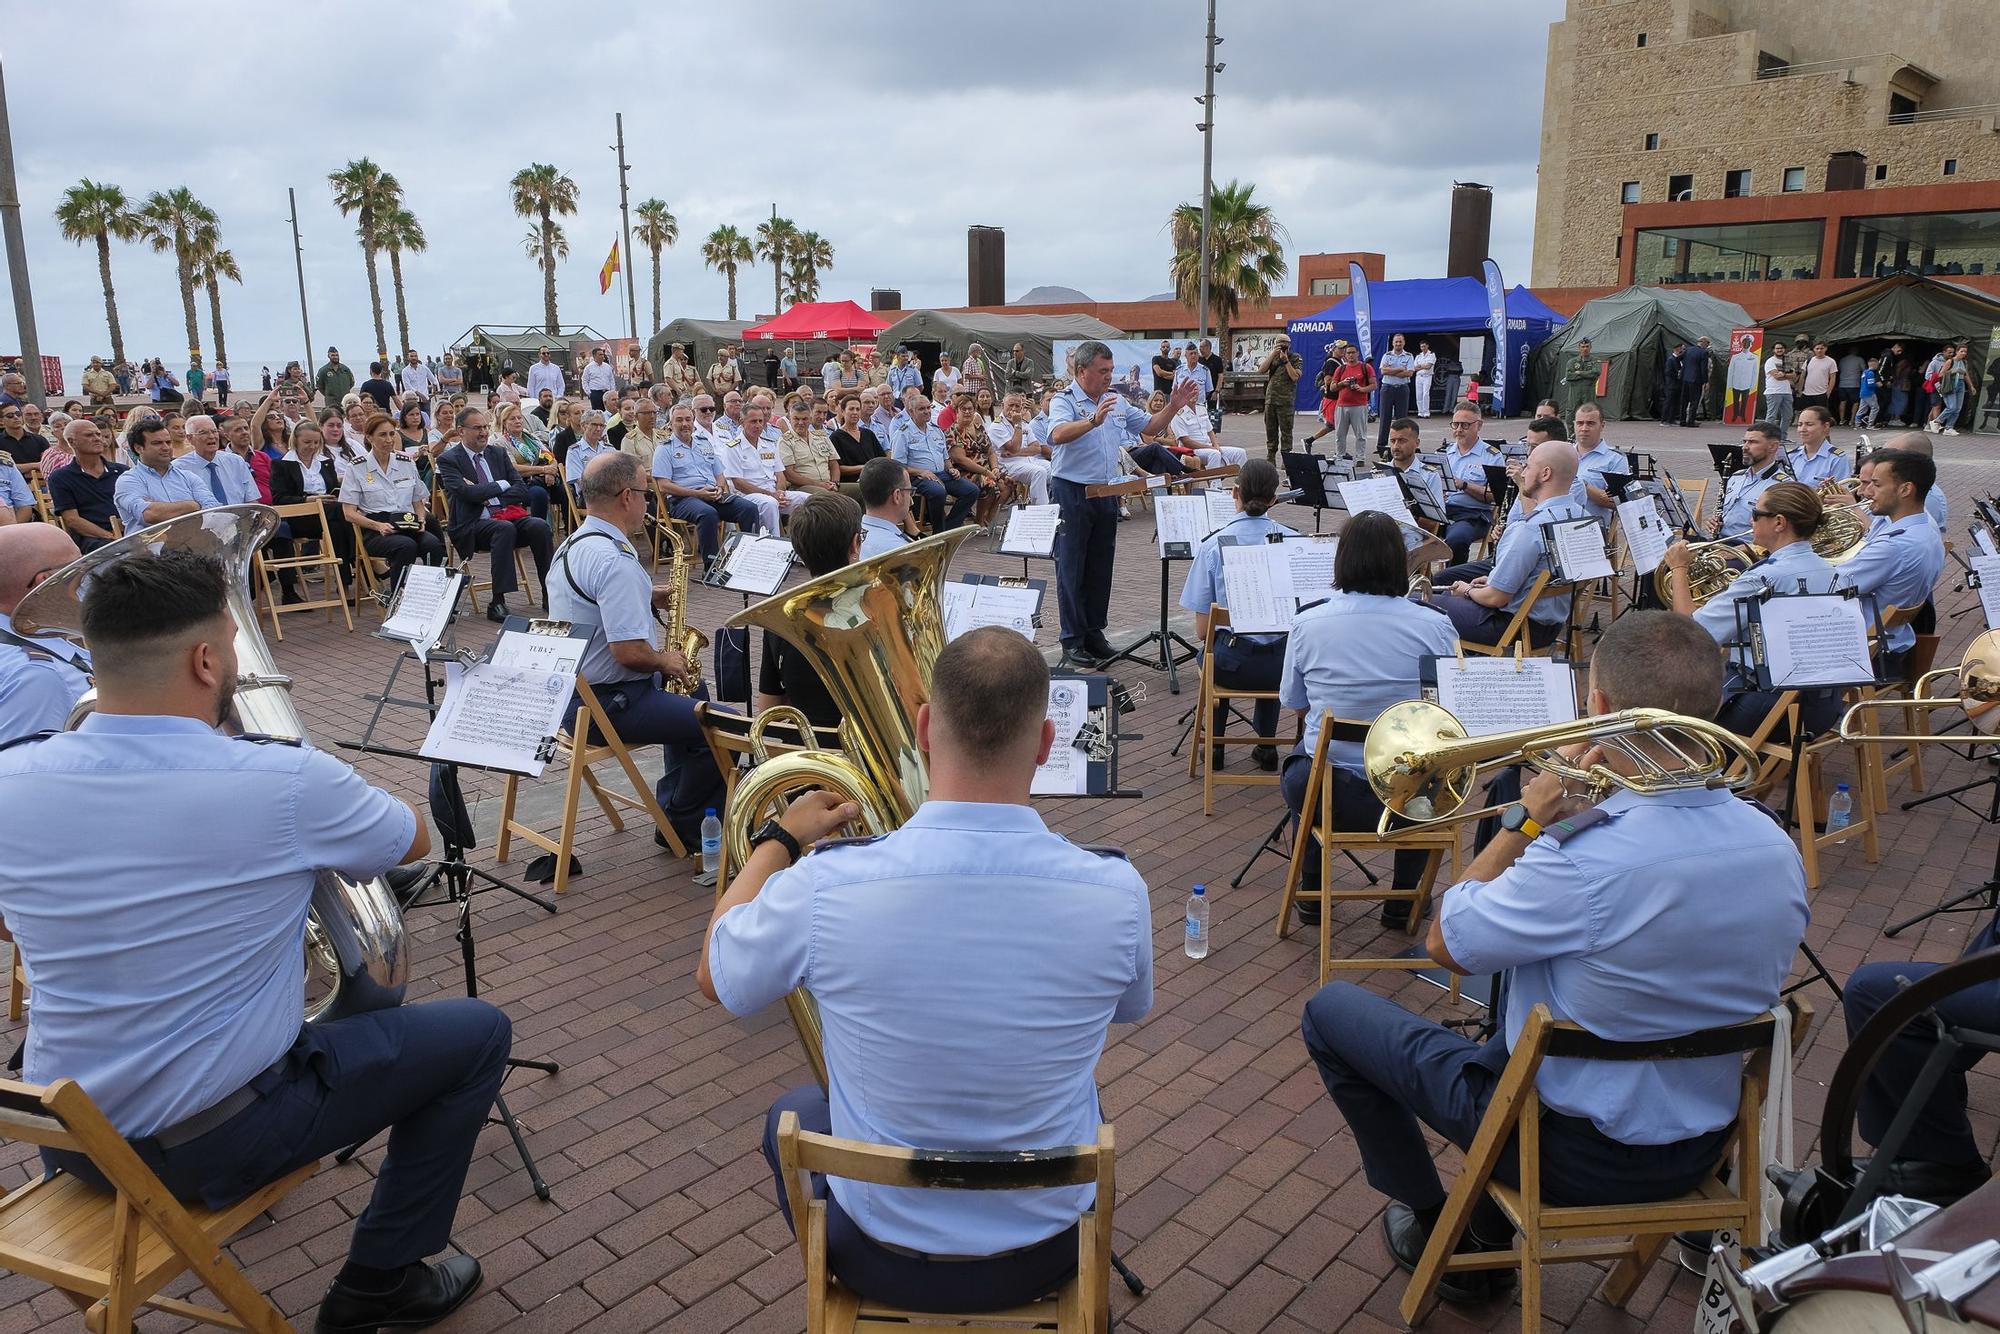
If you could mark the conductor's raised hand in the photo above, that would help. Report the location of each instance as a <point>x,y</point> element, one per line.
<point>1104,407</point>
<point>1183,394</point>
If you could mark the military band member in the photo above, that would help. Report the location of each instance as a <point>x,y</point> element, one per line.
<point>1481,608</point>
<point>41,676</point>
<point>1900,562</point>
<point>1468,504</point>
<point>1763,464</point>
<point>1242,661</point>
<point>1814,460</point>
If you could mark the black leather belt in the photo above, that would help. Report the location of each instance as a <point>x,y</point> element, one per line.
<point>209,1118</point>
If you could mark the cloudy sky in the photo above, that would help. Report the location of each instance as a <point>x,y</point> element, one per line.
<point>886,127</point>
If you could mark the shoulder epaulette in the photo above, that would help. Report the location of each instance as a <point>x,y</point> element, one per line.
<point>1755,804</point>
<point>861,841</point>
<point>1105,850</point>
<point>32,736</point>
<point>1562,831</point>
<point>262,739</point>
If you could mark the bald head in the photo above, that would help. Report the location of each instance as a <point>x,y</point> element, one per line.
<point>1916,442</point>
<point>28,553</point>
<point>1559,458</point>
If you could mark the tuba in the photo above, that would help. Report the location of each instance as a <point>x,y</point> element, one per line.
<point>354,956</point>
<point>871,630</point>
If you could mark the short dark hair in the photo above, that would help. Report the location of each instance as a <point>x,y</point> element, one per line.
<point>1769,430</point>
<point>1552,427</point>
<point>1370,557</point>
<point>880,480</point>
<point>145,426</point>
<point>1658,660</point>
<point>1909,466</point>
<point>823,531</point>
<point>466,414</point>
<point>1257,484</point>
<point>1819,413</point>
<point>132,606</point>
<point>1405,424</point>
<point>990,690</point>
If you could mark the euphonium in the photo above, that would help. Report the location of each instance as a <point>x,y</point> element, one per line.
<point>871,631</point>
<point>355,961</point>
<point>679,635</point>
<point>1422,765</point>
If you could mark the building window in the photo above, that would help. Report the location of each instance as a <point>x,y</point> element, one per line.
<point>1881,171</point>
<point>1628,193</point>
<point>1727,253</point>
<point>1951,166</point>
<point>1795,179</point>
<point>1652,142</point>
<point>1736,184</point>
<point>1642,39</point>
<point>1680,187</point>
<point>1942,244</point>
<point>1902,110</point>
<point>1329,287</point>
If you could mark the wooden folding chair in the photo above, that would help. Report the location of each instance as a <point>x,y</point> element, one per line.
<point>1082,1305</point>
<point>111,1253</point>
<point>1642,1228</point>
<point>367,583</point>
<point>1884,766</point>
<point>45,508</point>
<point>1516,632</point>
<point>582,754</point>
<point>1316,821</point>
<point>464,561</point>
<point>1208,697</point>
<point>735,740</point>
<point>333,593</point>
<point>1809,790</point>
<point>17,977</point>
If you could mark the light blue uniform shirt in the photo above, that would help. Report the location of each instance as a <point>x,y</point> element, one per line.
<point>881,423</point>
<point>1639,928</point>
<point>1398,366</point>
<point>879,535</point>
<point>139,486</point>
<point>38,686</point>
<point>1469,465</point>
<point>1934,505</point>
<point>950,1021</point>
<point>1590,470</point>
<point>1204,588</point>
<point>1899,564</point>
<point>1812,469</point>
<point>1522,556</point>
<point>229,471</point>
<point>15,492</point>
<point>1740,492</point>
<point>1782,571</point>
<point>579,457</point>
<point>689,463</point>
<point>902,379</point>
<point>1092,458</point>
<point>212,856</point>
<point>611,573</point>
<point>1203,381</point>
<point>914,448</point>
<point>726,430</point>
<point>1038,428</point>
<point>1356,654</point>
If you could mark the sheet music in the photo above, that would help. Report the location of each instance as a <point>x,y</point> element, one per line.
<point>969,606</point>
<point>1310,561</point>
<point>1429,491</point>
<point>423,607</point>
<point>1380,494</point>
<point>1645,529</point>
<point>1066,773</point>
<point>1984,539</point>
<point>756,564</point>
<point>1221,508</point>
<point>1489,695</point>
<point>499,717</point>
<point>1817,640</point>
<point>557,654</point>
<point>1579,545</point>
<point>1180,522</point>
<point>1988,569</point>
<point>1031,530</point>
<point>1257,583</point>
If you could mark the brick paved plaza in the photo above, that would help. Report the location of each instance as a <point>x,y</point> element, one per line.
<point>1240,1198</point>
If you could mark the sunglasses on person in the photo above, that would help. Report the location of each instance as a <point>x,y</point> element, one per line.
<point>1763,514</point>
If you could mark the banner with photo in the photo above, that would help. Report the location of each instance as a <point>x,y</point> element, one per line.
<point>626,355</point>
<point>1131,363</point>
<point>1743,377</point>
<point>1249,347</point>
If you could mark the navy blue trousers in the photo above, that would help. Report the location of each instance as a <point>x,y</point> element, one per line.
<point>1462,528</point>
<point>646,715</point>
<point>707,519</point>
<point>1393,1072</point>
<point>1355,806</point>
<point>501,537</point>
<point>1249,662</point>
<point>1086,546</point>
<point>427,1073</point>
<point>905,1278</point>
<point>962,492</point>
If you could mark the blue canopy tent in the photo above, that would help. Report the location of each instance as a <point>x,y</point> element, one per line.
<point>1420,307</point>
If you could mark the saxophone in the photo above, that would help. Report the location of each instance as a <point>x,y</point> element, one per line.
<point>679,636</point>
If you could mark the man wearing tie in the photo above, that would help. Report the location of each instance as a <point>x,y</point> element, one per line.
<point>484,485</point>
<point>210,476</point>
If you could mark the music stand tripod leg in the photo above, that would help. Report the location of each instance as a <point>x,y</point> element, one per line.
<point>1987,896</point>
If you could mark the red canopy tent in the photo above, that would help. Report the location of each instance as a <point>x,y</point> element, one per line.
<point>809,321</point>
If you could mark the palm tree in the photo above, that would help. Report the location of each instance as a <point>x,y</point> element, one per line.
<point>810,252</point>
<point>94,211</point>
<point>657,230</point>
<point>371,194</point>
<point>1246,254</point>
<point>540,191</point>
<point>726,250</point>
<point>400,231</point>
<point>775,237</point>
<point>212,264</point>
<point>172,219</point>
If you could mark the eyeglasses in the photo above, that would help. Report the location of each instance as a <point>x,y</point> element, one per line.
<point>707,409</point>
<point>631,491</point>
<point>1763,514</point>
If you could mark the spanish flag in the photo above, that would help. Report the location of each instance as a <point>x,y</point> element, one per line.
<point>604,274</point>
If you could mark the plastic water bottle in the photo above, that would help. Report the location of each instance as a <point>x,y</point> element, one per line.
<point>711,843</point>
<point>1197,923</point>
<point>1839,811</point>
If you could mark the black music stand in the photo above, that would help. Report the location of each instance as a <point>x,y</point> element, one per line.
<point>1302,470</point>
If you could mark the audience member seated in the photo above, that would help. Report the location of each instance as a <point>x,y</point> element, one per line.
<point>826,534</point>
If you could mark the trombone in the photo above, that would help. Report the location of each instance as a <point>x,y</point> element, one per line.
<point>1422,766</point>
<point>1978,693</point>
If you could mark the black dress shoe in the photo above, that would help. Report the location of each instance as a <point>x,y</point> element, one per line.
<point>1394,913</point>
<point>1099,647</point>
<point>1266,758</point>
<point>496,612</point>
<point>1077,658</point>
<point>1406,1235</point>
<point>427,1294</point>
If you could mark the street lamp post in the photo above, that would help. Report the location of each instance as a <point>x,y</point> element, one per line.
<point>1207,128</point>
<point>17,260</point>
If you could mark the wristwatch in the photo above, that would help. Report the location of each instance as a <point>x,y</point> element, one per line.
<point>773,832</point>
<point>1515,819</point>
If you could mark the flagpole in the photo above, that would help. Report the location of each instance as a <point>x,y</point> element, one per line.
<point>625,224</point>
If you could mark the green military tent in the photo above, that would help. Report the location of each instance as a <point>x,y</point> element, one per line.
<point>928,332</point>
<point>1906,306</point>
<point>1633,330</point>
<point>699,337</point>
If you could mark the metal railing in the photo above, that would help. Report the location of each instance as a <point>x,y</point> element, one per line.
<point>1944,113</point>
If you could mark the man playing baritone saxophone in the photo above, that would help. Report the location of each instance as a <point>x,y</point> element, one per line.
<point>946,1025</point>
<point>206,1068</point>
<point>1630,918</point>
<point>600,586</point>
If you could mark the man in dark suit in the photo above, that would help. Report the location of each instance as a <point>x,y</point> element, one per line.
<point>1694,380</point>
<point>481,483</point>
<point>1670,382</point>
